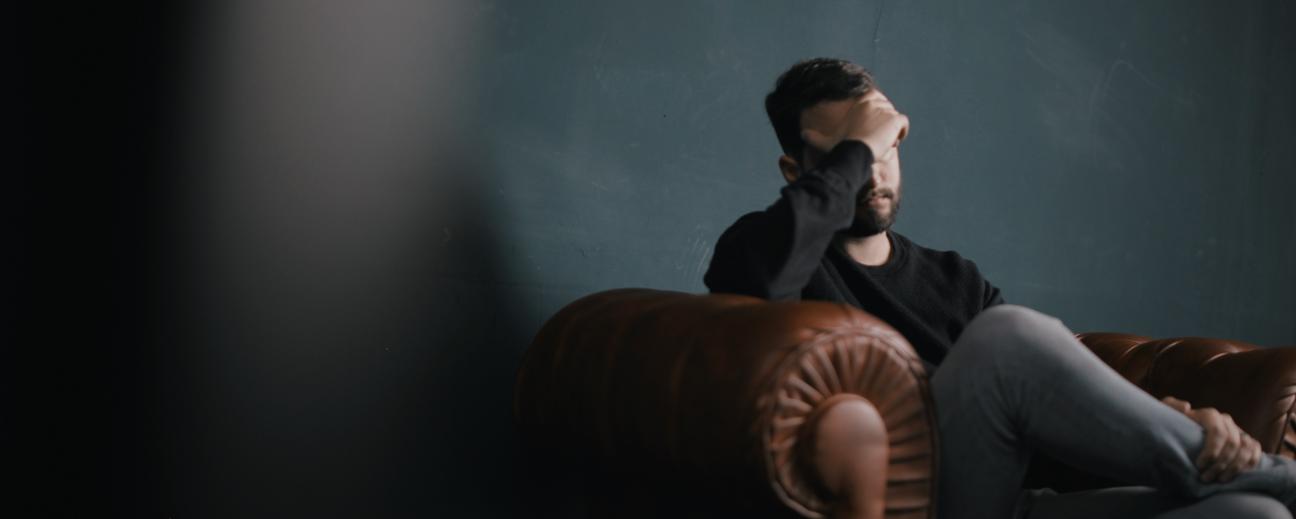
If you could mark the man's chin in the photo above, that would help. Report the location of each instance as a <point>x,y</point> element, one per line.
<point>869,222</point>
<point>864,229</point>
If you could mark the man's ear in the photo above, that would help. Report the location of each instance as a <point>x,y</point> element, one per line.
<point>790,169</point>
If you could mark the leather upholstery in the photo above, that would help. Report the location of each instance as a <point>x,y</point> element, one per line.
<point>717,398</point>
<point>718,391</point>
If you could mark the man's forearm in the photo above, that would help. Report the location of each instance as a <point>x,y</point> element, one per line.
<point>773,253</point>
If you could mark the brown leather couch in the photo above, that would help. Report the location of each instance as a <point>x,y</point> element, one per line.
<point>646,403</point>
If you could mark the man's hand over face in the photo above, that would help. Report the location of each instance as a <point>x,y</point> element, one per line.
<point>1228,449</point>
<point>872,120</point>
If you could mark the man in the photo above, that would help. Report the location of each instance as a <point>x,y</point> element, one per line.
<point>1006,380</point>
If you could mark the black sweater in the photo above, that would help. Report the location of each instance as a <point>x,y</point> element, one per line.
<point>793,250</point>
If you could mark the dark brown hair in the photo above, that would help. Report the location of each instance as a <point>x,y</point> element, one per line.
<point>806,84</point>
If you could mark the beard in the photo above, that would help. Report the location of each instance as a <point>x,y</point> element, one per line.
<point>870,220</point>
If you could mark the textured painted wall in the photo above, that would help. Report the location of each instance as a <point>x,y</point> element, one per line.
<point>1122,166</point>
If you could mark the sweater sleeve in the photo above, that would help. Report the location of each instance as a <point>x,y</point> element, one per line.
<point>992,295</point>
<point>773,253</point>
<point>989,294</point>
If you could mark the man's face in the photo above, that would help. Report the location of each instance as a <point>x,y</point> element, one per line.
<point>877,204</point>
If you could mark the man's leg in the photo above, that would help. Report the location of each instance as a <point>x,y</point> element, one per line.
<point>1147,502</point>
<point>1018,380</point>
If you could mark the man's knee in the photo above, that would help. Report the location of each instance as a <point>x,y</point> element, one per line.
<point>1010,327</point>
<point>1000,315</point>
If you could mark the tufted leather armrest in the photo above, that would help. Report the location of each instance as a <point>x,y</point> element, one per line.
<point>1256,386</point>
<point>722,395</point>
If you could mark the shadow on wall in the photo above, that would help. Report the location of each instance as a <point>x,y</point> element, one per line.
<point>459,426</point>
<point>345,345</point>
<point>375,385</point>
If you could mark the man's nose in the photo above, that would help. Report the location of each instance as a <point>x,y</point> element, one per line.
<point>878,173</point>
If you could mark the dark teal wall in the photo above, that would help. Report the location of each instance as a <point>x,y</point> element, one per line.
<point>1125,167</point>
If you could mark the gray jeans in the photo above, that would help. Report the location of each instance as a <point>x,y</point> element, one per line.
<point>1018,381</point>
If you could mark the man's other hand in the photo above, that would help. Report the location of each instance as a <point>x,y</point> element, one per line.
<point>872,120</point>
<point>1228,449</point>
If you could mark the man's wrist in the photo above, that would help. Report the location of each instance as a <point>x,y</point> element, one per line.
<point>873,150</point>
<point>853,148</point>
<point>850,160</point>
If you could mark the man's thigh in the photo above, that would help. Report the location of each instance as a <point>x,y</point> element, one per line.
<point>1146,502</point>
